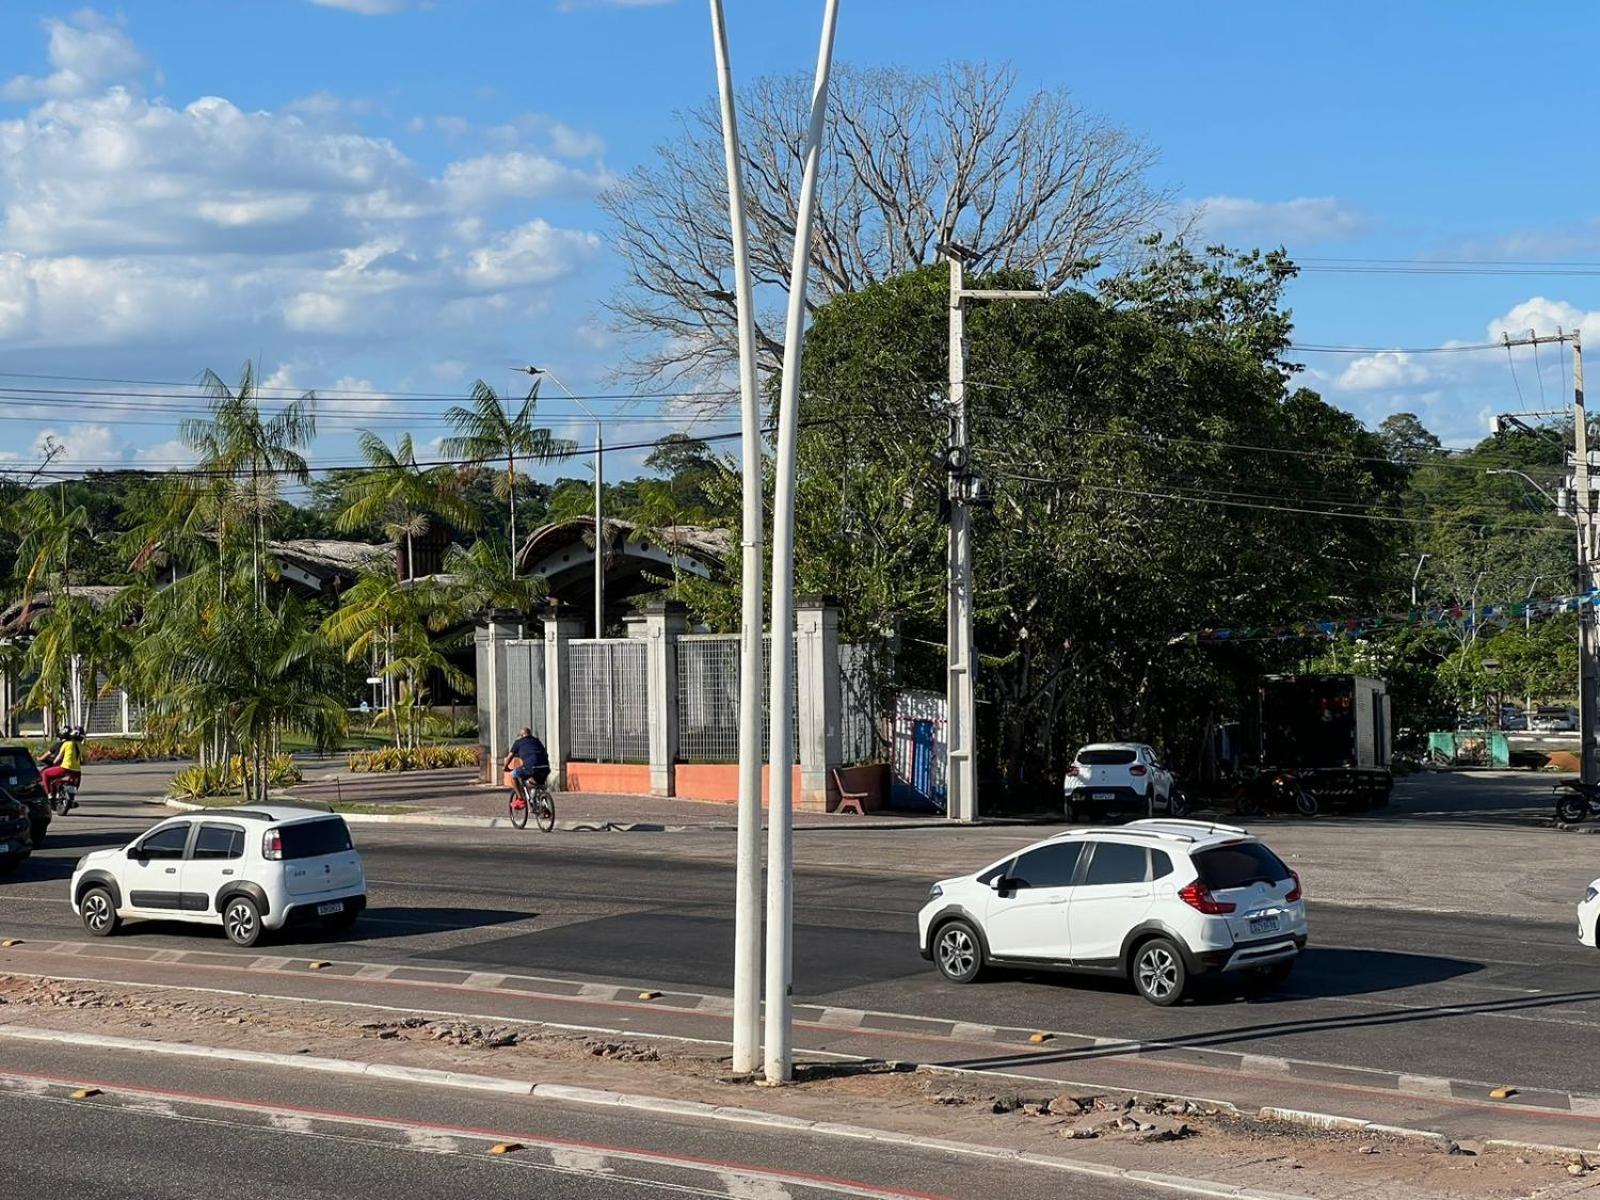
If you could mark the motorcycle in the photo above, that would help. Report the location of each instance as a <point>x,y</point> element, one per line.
<point>1579,801</point>
<point>1274,791</point>
<point>62,794</point>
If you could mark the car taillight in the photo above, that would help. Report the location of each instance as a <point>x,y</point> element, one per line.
<point>1294,890</point>
<point>1073,772</point>
<point>1198,897</point>
<point>272,844</point>
<point>1136,771</point>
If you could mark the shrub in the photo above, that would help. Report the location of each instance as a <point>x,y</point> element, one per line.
<point>415,758</point>
<point>197,782</point>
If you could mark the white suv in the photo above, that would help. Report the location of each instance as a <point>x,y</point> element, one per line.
<point>1160,902</point>
<point>1120,777</point>
<point>246,869</point>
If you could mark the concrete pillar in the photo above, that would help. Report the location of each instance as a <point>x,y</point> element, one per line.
<point>821,747</point>
<point>494,738</point>
<point>561,626</point>
<point>660,626</point>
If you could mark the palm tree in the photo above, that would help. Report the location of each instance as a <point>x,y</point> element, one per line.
<point>489,432</point>
<point>240,459</point>
<point>401,495</point>
<point>484,579</point>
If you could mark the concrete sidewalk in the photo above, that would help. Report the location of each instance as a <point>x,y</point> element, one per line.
<point>454,797</point>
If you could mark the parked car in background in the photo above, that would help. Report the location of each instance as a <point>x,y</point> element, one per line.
<point>1513,720</point>
<point>16,836</point>
<point>1555,718</point>
<point>246,869</point>
<point>19,775</point>
<point>1160,903</point>
<point>1120,777</point>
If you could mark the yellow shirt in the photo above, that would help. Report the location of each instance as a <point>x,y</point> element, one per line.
<point>71,756</point>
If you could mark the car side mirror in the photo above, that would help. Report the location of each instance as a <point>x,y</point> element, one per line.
<point>133,852</point>
<point>999,883</point>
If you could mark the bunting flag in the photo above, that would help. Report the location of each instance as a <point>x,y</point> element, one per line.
<point>1467,617</point>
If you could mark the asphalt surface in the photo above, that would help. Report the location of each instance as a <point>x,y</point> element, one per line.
<point>1458,994</point>
<point>256,1133</point>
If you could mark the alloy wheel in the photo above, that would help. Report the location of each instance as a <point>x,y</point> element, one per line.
<point>96,911</point>
<point>957,954</point>
<point>1158,972</point>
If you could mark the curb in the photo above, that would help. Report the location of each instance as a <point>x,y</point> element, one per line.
<point>563,1093</point>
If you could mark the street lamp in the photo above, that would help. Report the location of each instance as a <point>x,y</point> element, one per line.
<point>1416,575</point>
<point>599,526</point>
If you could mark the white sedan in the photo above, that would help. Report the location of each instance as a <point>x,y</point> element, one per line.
<point>1589,915</point>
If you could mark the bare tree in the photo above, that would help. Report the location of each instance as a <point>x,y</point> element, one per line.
<point>1031,182</point>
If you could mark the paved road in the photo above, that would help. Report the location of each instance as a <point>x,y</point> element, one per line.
<point>254,1132</point>
<point>1452,994</point>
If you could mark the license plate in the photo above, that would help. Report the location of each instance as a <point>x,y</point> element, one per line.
<point>5,847</point>
<point>1103,796</point>
<point>1264,925</point>
<point>337,906</point>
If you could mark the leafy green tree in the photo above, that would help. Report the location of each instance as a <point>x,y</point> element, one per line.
<point>401,495</point>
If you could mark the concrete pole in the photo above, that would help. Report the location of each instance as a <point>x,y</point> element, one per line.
<point>599,534</point>
<point>752,667</point>
<point>961,775</point>
<point>779,1056</point>
<point>1587,692</point>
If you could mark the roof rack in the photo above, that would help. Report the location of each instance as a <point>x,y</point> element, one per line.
<point>1130,828</point>
<point>248,813</point>
<point>1187,823</point>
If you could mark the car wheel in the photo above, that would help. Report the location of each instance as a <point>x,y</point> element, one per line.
<point>36,832</point>
<point>1159,973</point>
<point>957,952</point>
<point>8,866</point>
<point>241,921</point>
<point>1178,803</point>
<point>1072,812</point>
<point>99,912</point>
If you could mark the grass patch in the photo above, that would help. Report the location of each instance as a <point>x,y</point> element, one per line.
<point>352,808</point>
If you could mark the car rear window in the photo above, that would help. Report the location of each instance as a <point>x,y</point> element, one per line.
<point>1239,864</point>
<point>1106,758</point>
<point>313,839</point>
<point>17,767</point>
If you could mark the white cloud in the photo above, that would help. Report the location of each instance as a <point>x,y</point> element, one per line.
<point>87,51</point>
<point>577,5</point>
<point>1292,223</point>
<point>87,443</point>
<point>519,175</point>
<point>537,252</point>
<point>1388,369</point>
<point>1544,316</point>
<point>366,8</point>
<point>173,452</point>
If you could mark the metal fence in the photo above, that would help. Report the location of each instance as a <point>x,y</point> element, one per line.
<point>708,698</point>
<point>608,689</point>
<point>523,668</point>
<point>861,737</point>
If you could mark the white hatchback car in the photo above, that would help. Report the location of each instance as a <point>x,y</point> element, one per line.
<point>1589,915</point>
<point>1159,902</point>
<point>1123,777</point>
<point>247,869</point>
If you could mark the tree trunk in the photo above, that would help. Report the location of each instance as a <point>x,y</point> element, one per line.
<point>511,491</point>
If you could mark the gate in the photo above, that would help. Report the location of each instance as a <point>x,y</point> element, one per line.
<point>608,686</point>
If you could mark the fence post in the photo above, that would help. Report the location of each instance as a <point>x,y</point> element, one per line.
<point>817,673</point>
<point>663,623</point>
<point>561,625</point>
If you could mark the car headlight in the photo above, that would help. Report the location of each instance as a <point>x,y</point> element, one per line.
<point>1589,893</point>
<point>936,891</point>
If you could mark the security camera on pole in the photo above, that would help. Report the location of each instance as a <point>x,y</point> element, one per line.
<point>961,763</point>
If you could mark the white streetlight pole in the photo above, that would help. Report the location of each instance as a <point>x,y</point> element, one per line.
<point>599,483</point>
<point>747,870</point>
<point>779,1049</point>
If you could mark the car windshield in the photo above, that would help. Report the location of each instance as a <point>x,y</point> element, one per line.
<point>1238,865</point>
<point>1106,758</point>
<point>313,839</point>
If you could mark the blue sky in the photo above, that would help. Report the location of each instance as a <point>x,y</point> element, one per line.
<point>387,196</point>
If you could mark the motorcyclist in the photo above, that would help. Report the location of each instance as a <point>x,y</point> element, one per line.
<point>533,759</point>
<point>65,761</point>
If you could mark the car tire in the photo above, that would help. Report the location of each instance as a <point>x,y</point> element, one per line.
<point>36,832</point>
<point>957,951</point>
<point>1072,812</point>
<point>1158,972</point>
<point>1178,805</point>
<point>241,921</point>
<point>98,911</point>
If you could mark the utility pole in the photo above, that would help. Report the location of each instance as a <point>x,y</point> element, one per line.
<point>778,1051</point>
<point>964,489</point>
<point>1583,515</point>
<point>747,868</point>
<point>599,484</point>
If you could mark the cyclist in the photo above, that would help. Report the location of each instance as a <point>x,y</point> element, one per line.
<point>535,759</point>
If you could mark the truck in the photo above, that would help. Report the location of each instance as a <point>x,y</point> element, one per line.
<point>1332,732</point>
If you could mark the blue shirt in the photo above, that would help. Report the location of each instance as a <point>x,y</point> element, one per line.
<point>531,751</point>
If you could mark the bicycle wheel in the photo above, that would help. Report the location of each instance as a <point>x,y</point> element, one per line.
<point>544,809</point>
<point>518,806</point>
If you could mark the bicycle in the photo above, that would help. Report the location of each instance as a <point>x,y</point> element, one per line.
<point>539,801</point>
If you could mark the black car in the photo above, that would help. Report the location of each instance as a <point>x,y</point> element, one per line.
<point>16,838</point>
<point>19,775</point>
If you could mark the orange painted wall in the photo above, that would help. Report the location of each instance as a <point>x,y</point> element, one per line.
<point>719,782</point>
<point>627,779</point>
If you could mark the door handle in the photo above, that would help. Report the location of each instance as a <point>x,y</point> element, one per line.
<point>172,870</point>
<point>227,870</point>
